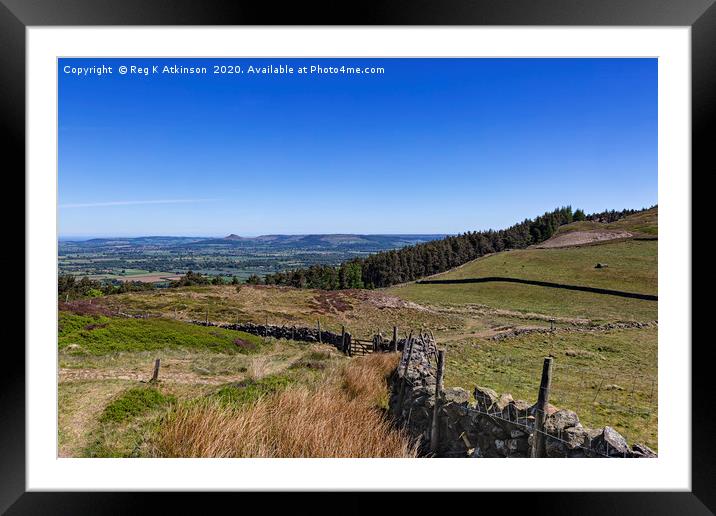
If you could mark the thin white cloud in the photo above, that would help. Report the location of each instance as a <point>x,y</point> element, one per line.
<point>131,203</point>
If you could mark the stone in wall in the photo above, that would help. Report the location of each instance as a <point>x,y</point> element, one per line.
<point>489,425</point>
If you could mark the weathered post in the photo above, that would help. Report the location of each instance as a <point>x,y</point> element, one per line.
<point>538,438</point>
<point>401,394</point>
<point>207,316</point>
<point>348,344</point>
<point>155,375</point>
<point>436,407</point>
<point>394,344</point>
<point>343,338</point>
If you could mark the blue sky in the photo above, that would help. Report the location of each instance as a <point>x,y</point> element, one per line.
<point>429,146</point>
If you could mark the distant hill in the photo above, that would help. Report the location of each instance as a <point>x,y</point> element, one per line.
<point>363,243</point>
<point>318,241</point>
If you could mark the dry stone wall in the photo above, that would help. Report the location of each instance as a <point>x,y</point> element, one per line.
<point>299,333</point>
<point>487,424</point>
<point>304,334</point>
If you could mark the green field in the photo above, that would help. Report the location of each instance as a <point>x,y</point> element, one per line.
<point>632,267</point>
<point>607,378</point>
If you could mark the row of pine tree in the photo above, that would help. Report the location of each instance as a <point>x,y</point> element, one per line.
<point>413,262</point>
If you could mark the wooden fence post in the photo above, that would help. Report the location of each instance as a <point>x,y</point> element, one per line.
<point>538,437</point>
<point>436,407</point>
<point>394,344</point>
<point>401,394</point>
<point>155,375</point>
<point>347,344</point>
<point>207,316</point>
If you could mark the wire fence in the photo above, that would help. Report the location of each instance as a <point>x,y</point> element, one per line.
<point>525,419</point>
<point>624,397</point>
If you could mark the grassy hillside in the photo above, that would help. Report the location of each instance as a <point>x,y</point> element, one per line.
<point>644,223</point>
<point>362,312</point>
<point>607,376</point>
<point>632,267</point>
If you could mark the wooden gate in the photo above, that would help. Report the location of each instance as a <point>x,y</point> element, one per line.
<point>361,347</point>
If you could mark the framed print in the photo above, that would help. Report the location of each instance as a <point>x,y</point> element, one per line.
<point>417,249</point>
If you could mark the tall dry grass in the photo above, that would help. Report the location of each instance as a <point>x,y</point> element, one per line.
<point>258,367</point>
<point>338,418</point>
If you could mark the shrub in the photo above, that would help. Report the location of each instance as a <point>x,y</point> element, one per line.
<point>134,402</point>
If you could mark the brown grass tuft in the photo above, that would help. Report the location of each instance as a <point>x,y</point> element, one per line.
<point>338,418</point>
<point>366,377</point>
<point>258,367</point>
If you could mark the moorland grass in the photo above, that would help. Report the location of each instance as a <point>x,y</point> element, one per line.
<point>100,335</point>
<point>126,423</point>
<point>361,312</point>
<point>134,402</point>
<point>607,378</point>
<point>250,391</point>
<point>340,417</point>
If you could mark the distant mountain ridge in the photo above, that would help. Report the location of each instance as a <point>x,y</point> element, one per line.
<point>317,241</point>
<point>320,240</point>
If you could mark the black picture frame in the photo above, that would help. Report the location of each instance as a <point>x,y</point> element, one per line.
<point>17,15</point>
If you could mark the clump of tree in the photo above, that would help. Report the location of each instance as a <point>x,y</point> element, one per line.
<point>254,280</point>
<point>190,279</point>
<point>347,275</point>
<point>413,262</point>
<point>72,287</point>
<point>609,216</point>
